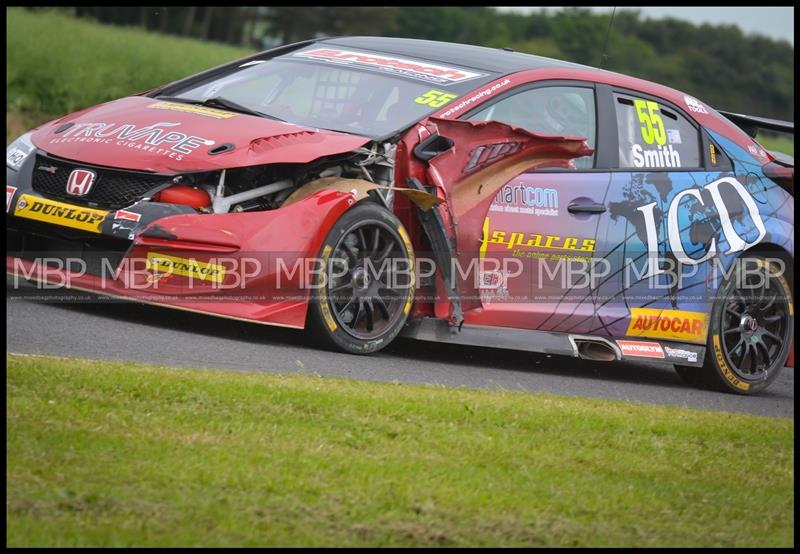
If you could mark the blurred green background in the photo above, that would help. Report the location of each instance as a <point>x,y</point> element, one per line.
<point>63,59</point>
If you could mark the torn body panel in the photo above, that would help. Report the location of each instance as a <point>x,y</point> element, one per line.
<point>486,155</point>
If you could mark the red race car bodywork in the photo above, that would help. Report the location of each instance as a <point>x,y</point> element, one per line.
<point>184,198</point>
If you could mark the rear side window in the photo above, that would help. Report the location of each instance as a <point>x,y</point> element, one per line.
<point>654,136</point>
<point>557,110</point>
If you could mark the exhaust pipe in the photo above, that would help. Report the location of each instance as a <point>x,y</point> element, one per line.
<point>595,348</point>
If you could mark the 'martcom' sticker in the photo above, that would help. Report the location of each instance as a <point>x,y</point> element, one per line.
<point>668,324</point>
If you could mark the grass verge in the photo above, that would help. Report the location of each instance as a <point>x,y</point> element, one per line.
<point>57,64</point>
<point>104,453</point>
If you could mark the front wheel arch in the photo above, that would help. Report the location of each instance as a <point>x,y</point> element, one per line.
<point>350,309</point>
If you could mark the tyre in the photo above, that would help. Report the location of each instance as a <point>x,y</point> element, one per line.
<point>362,298</point>
<point>750,330</point>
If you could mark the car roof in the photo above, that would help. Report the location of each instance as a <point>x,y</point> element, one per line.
<point>475,57</point>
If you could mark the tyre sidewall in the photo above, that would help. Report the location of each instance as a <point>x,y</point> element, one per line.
<point>716,357</point>
<point>320,315</point>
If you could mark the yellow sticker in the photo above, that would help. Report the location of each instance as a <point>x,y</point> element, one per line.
<point>191,108</point>
<point>713,152</point>
<point>652,124</point>
<point>726,371</point>
<point>669,324</point>
<point>205,271</point>
<point>435,98</point>
<point>59,213</point>
<point>323,293</point>
<point>407,241</point>
<point>534,240</point>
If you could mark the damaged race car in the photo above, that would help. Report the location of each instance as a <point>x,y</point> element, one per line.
<point>367,187</point>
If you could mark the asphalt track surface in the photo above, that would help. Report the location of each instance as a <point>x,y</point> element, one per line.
<point>118,330</point>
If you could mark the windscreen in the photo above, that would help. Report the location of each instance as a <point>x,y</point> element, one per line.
<point>356,92</point>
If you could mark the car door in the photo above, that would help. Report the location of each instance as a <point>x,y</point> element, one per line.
<point>546,221</point>
<point>663,227</point>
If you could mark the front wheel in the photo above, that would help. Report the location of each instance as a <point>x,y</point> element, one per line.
<point>364,293</point>
<point>750,332</point>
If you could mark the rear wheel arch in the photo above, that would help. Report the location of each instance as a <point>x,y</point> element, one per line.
<point>757,358</point>
<point>769,249</point>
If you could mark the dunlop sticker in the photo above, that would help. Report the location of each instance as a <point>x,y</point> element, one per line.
<point>725,369</point>
<point>407,241</point>
<point>189,108</point>
<point>60,213</point>
<point>668,324</point>
<point>186,267</point>
<point>323,294</point>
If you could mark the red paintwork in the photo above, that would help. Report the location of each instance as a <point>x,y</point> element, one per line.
<point>712,120</point>
<point>468,210</point>
<point>259,235</point>
<point>300,228</point>
<point>185,195</point>
<point>257,140</point>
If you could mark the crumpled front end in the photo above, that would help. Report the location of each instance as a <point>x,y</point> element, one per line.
<point>254,266</point>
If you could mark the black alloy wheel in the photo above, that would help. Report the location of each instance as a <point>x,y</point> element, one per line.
<point>368,286</point>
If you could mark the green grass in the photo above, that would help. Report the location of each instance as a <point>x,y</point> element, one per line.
<point>102,453</point>
<point>57,64</point>
<point>780,143</point>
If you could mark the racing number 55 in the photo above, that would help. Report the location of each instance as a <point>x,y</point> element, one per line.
<point>435,98</point>
<point>652,124</point>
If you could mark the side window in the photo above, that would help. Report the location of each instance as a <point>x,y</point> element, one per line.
<point>653,136</point>
<point>567,111</point>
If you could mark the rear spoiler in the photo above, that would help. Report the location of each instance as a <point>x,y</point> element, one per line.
<point>751,124</point>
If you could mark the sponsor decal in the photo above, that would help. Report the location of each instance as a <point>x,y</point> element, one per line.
<point>660,156</point>
<point>410,250</point>
<point>51,169</point>
<point>526,199</point>
<point>726,371</point>
<point>130,216</point>
<point>694,105</point>
<point>205,271</point>
<point>160,138</point>
<point>756,151</point>
<point>154,278</point>
<point>680,354</point>
<point>10,192</point>
<point>534,240</point>
<point>15,156</point>
<point>323,293</point>
<point>668,324</point>
<point>641,349</point>
<point>490,153</point>
<point>493,285</point>
<point>674,136</point>
<point>80,182</point>
<point>60,213</point>
<point>472,99</point>
<point>435,98</point>
<point>712,152</point>
<point>424,71</point>
<point>735,241</point>
<point>191,108</point>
